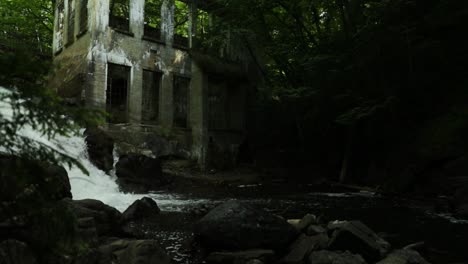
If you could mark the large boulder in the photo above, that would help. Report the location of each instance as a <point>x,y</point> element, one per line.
<point>100,148</point>
<point>139,173</point>
<point>303,246</point>
<point>235,226</point>
<point>315,230</point>
<point>24,179</point>
<point>331,257</point>
<point>262,255</point>
<point>107,219</point>
<point>58,177</point>
<point>15,252</point>
<point>145,207</point>
<point>462,211</point>
<point>306,221</point>
<point>404,256</point>
<point>133,252</point>
<point>459,200</point>
<point>357,238</point>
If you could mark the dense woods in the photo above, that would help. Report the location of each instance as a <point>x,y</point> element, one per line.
<point>360,91</point>
<point>360,94</point>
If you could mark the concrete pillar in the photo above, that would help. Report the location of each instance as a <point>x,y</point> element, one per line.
<point>167,21</point>
<point>55,37</point>
<point>198,115</point>
<point>137,10</point>
<point>96,90</point>
<point>135,93</point>
<point>192,22</point>
<point>166,110</point>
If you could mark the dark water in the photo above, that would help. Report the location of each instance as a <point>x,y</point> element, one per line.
<point>399,221</point>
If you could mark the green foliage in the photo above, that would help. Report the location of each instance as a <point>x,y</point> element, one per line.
<point>153,13</point>
<point>120,8</point>
<point>181,17</point>
<point>386,68</point>
<point>27,23</point>
<point>24,71</point>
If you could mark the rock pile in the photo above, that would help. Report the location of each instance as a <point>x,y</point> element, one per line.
<point>239,233</point>
<point>39,223</point>
<point>139,173</point>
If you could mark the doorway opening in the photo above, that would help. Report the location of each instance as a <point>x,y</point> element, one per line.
<point>118,80</point>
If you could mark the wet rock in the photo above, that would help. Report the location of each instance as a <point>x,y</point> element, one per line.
<point>200,210</point>
<point>133,252</point>
<point>332,257</point>
<point>248,256</point>
<point>145,207</point>
<point>303,246</point>
<point>88,257</point>
<point>161,146</point>
<point>235,226</point>
<point>315,230</point>
<point>294,223</point>
<point>24,179</point>
<point>307,220</point>
<point>255,261</point>
<point>87,230</point>
<point>462,210</point>
<point>459,201</point>
<point>100,148</point>
<point>15,252</point>
<point>139,173</point>
<point>357,238</point>
<point>106,218</point>
<point>58,176</point>
<point>404,256</point>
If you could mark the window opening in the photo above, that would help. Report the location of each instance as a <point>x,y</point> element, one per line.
<point>153,19</point>
<point>83,16</point>
<point>60,24</point>
<point>181,90</point>
<point>71,22</point>
<point>181,19</point>
<point>217,105</point>
<point>118,80</point>
<point>150,104</point>
<point>119,17</point>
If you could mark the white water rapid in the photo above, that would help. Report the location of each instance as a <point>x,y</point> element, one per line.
<point>98,185</point>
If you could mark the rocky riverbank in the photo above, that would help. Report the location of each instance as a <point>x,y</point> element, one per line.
<point>40,223</point>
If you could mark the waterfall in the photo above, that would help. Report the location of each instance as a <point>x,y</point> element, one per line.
<point>97,185</point>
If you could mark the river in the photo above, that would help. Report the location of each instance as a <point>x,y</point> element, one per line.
<point>400,221</point>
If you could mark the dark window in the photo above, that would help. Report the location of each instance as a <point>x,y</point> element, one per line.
<point>181,90</point>
<point>71,22</point>
<point>119,17</point>
<point>217,105</point>
<point>83,16</point>
<point>153,19</point>
<point>60,24</point>
<point>181,18</point>
<point>203,23</point>
<point>150,104</point>
<point>118,79</point>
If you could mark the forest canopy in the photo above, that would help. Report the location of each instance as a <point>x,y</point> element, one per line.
<point>344,81</point>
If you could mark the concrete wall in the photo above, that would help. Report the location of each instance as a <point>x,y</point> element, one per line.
<point>91,52</point>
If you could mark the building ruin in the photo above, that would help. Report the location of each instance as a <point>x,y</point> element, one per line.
<point>144,62</point>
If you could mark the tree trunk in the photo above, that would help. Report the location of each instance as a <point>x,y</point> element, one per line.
<point>347,154</point>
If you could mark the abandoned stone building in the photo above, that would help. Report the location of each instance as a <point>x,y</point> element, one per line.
<point>145,62</point>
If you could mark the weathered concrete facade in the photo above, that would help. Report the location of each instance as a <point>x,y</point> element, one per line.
<point>155,85</point>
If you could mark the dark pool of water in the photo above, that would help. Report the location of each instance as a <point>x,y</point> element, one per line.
<point>399,221</point>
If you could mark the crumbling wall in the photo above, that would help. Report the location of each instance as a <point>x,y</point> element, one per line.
<point>86,63</point>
